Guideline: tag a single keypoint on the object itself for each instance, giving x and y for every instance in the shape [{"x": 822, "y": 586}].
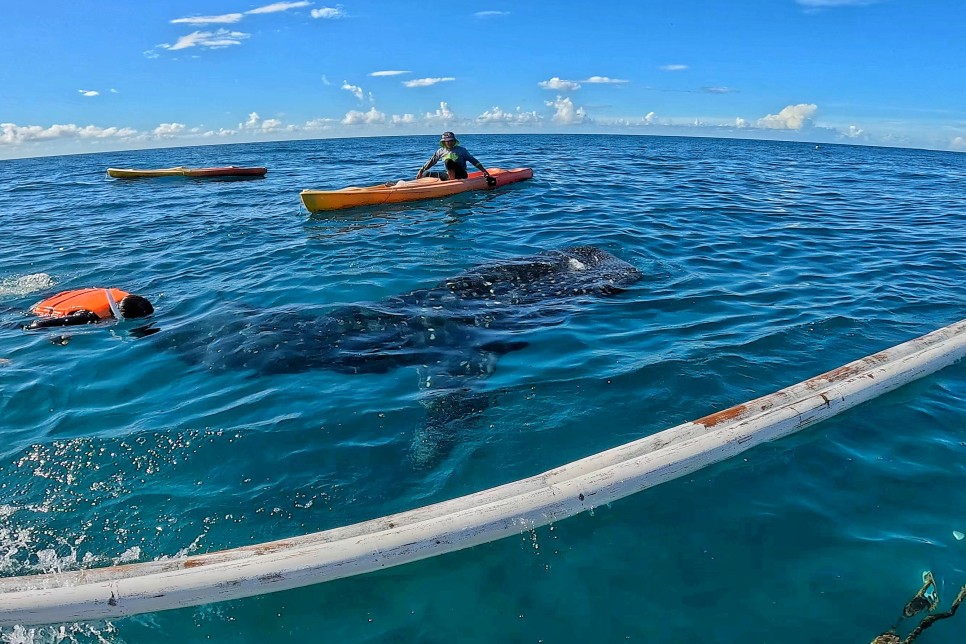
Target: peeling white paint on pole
[{"x": 509, "y": 509}]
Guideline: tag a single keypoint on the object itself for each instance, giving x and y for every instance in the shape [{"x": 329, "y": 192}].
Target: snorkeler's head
[{"x": 135, "y": 306}]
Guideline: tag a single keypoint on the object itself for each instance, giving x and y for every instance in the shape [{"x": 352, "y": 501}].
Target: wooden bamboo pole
[{"x": 118, "y": 591}]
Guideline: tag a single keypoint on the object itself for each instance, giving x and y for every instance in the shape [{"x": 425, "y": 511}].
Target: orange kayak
[
  {"x": 180, "y": 171},
  {"x": 398, "y": 191}
]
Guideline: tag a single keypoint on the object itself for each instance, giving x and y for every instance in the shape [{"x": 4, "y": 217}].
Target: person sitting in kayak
[
  {"x": 86, "y": 306},
  {"x": 455, "y": 157}
]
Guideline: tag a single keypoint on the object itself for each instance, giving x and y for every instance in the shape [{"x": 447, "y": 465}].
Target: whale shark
[{"x": 454, "y": 332}]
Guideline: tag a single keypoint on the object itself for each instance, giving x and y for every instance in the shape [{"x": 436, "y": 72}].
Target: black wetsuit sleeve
[
  {"x": 75, "y": 318},
  {"x": 432, "y": 161}
]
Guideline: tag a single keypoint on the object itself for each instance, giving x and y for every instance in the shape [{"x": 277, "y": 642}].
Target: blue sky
[{"x": 116, "y": 74}]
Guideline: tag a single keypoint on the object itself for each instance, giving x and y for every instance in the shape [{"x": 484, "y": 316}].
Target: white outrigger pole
[{"x": 118, "y": 591}]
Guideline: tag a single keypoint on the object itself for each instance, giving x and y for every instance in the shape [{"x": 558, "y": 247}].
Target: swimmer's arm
[
  {"x": 74, "y": 319},
  {"x": 433, "y": 160}
]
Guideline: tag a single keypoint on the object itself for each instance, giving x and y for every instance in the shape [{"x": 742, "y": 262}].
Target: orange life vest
[{"x": 94, "y": 300}]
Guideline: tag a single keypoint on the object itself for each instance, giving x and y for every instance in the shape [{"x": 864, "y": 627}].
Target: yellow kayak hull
[{"x": 400, "y": 191}]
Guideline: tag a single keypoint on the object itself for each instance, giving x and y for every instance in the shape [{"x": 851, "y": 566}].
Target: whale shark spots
[{"x": 454, "y": 333}]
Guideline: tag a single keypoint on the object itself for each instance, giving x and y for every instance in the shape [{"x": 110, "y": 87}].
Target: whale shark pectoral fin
[
  {"x": 447, "y": 414},
  {"x": 501, "y": 347},
  {"x": 144, "y": 331},
  {"x": 459, "y": 369},
  {"x": 455, "y": 405}
]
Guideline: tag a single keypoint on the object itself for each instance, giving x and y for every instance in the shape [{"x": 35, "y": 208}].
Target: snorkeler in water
[{"x": 87, "y": 306}]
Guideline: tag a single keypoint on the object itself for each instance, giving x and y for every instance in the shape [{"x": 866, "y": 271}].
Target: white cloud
[
  {"x": 793, "y": 117},
  {"x": 491, "y": 14},
  {"x": 277, "y": 7},
  {"x": 673, "y": 68},
  {"x": 405, "y": 119},
  {"x": 853, "y": 132},
  {"x": 559, "y": 84},
  {"x": 114, "y": 91},
  {"x": 321, "y": 124},
  {"x": 270, "y": 125},
  {"x": 959, "y": 143},
  {"x": 211, "y": 40},
  {"x": 225, "y": 19},
  {"x": 223, "y": 37},
  {"x": 13, "y": 134},
  {"x": 605, "y": 80},
  {"x": 355, "y": 90},
  {"x": 232, "y": 18},
  {"x": 222, "y": 132},
  {"x": 325, "y": 81},
  {"x": 329, "y": 12},
  {"x": 94, "y": 132},
  {"x": 426, "y": 82},
  {"x": 442, "y": 115},
  {"x": 252, "y": 123},
  {"x": 390, "y": 72},
  {"x": 517, "y": 117},
  {"x": 648, "y": 119},
  {"x": 88, "y": 92},
  {"x": 255, "y": 123},
  {"x": 566, "y": 113},
  {"x": 741, "y": 123},
  {"x": 168, "y": 130},
  {"x": 353, "y": 117},
  {"x": 717, "y": 90}
]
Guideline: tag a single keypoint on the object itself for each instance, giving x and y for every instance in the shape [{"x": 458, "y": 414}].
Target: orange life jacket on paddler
[{"x": 95, "y": 300}]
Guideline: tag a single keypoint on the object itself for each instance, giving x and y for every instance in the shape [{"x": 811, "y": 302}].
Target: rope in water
[
  {"x": 926, "y": 599},
  {"x": 106, "y": 593}
]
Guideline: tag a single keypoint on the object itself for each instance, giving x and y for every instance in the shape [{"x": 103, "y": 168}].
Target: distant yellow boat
[
  {"x": 399, "y": 191},
  {"x": 181, "y": 171}
]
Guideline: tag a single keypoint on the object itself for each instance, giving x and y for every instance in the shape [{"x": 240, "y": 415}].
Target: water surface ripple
[{"x": 764, "y": 263}]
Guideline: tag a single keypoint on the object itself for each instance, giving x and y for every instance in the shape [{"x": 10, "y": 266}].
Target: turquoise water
[{"x": 764, "y": 263}]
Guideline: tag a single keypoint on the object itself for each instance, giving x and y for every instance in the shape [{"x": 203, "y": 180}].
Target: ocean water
[{"x": 764, "y": 263}]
